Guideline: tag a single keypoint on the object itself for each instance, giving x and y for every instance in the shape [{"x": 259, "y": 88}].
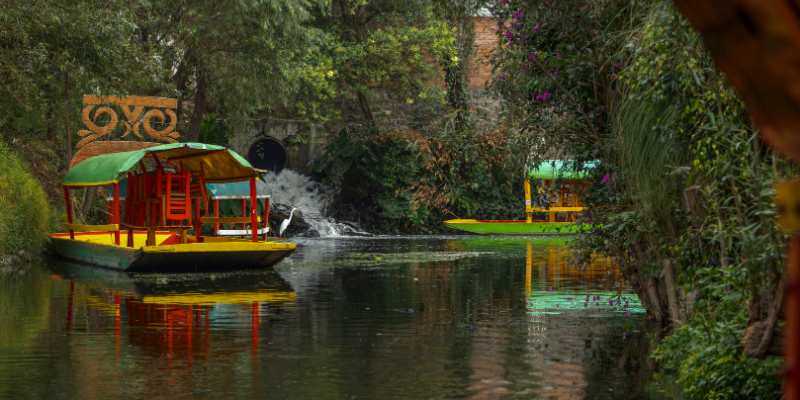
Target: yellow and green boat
[
  {"x": 561, "y": 204},
  {"x": 165, "y": 186}
]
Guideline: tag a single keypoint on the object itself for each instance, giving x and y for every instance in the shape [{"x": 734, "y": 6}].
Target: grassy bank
[{"x": 25, "y": 214}]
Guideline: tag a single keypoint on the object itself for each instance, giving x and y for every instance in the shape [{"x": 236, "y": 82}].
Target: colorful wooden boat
[
  {"x": 162, "y": 204},
  {"x": 560, "y": 203}
]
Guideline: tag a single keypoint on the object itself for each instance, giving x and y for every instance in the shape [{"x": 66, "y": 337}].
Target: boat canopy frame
[
  {"x": 221, "y": 164},
  {"x": 217, "y": 164}
]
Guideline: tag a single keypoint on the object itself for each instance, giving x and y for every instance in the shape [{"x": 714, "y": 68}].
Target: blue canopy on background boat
[{"x": 236, "y": 189}]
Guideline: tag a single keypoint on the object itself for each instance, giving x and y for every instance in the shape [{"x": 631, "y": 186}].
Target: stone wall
[{"x": 391, "y": 113}]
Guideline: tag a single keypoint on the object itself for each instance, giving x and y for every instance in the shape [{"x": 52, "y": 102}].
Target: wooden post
[
  {"x": 266, "y": 219},
  {"x": 198, "y": 226},
  {"x": 244, "y": 214},
  {"x": 528, "y": 207},
  {"x": 788, "y": 201},
  {"x": 69, "y": 212},
  {"x": 216, "y": 215},
  {"x": 116, "y": 213},
  {"x": 791, "y": 380},
  {"x": 129, "y": 189},
  {"x": 551, "y": 215},
  {"x": 253, "y": 210}
]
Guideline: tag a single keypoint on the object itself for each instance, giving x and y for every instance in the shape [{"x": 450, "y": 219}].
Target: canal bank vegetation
[
  {"x": 25, "y": 215},
  {"x": 683, "y": 198}
]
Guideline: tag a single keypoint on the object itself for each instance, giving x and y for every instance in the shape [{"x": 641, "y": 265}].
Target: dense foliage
[
  {"x": 402, "y": 181},
  {"x": 24, "y": 212},
  {"x": 708, "y": 361},
  {"x": 684, "y": 179}
]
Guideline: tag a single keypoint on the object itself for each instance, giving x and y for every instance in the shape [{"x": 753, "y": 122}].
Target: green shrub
[
  {"x": 709, "y": 362},
  {"x": 24, "y": 211}
]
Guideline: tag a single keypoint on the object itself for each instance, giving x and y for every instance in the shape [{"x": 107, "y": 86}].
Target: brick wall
[{"x": 480, "y": 69}]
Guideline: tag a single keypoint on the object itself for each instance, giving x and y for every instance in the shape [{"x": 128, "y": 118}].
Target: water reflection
[{"x": 403, "y": 317}]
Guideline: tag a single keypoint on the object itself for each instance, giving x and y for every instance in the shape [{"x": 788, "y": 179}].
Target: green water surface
[{"x": 413, "y": 317}]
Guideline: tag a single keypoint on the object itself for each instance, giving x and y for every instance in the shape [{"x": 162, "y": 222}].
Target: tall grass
[
  {"x": 24, "y": 211},
  {"x": 647, "y": 153}
]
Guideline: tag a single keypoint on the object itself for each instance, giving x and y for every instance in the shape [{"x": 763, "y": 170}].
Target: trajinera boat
[
  {"x": 162, "y": 203},
  {"x": 557, "y": 202}
]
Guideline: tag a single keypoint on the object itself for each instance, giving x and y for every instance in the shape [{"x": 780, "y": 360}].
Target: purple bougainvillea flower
[
  {"x": 551, "y": 288},
  {"x": 559, "y": 56},
  {"x": 536, "y": 27},
  {"x": 624, "y": 334},
  {"x": 611, "y": 302},
  {"x": 500, "y": 102},
  {"x": 628, "y": 314},
  {"x": 649, "y": 316},
  {"x": 585, "y": 304},
  {"x": 517, "y": 15}
]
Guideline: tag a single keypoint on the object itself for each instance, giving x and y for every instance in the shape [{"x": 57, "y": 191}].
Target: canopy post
[
  {"x": 244, "y": 214},
  {"x": 253, "y": 210},
  {"x": 198, "y": 226},
  {"x": 69, "y": 212},
  {"x": 528, "y": 208},
  {"x": 216, "y": 215},
  {"x": 116, "y": 213},
  {"x": 551, "y": 215},
  {"x": 266, "y": 218}
]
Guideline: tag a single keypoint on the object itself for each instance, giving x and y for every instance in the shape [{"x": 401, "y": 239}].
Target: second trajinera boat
[{"x": 561, "y": 204}]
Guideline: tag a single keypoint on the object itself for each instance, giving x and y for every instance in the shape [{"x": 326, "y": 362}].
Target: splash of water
[{"x": 291, "y": 189}]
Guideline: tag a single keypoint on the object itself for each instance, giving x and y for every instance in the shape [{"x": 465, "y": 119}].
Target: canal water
[{"x": 384, "y": 317}]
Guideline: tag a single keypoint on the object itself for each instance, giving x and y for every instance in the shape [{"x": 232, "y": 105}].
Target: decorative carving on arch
[{"x": 133, "y": 108}]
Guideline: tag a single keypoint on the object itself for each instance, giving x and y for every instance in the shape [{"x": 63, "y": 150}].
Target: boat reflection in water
[
  {"x": 175, "y": 318},
  {"x": 564, "y": 302}
]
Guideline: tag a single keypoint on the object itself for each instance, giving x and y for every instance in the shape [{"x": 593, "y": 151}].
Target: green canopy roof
[
  {"x": 220, "y": 164},
  {"x": 559, "y": 169}
]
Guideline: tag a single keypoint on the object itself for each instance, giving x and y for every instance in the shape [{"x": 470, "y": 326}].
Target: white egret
[{"x": 285, "y": 223}]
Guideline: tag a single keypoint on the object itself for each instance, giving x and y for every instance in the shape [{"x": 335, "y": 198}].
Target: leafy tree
[
  {"x": 238, "y": 54},
  {"x": 386, "y": 44}
]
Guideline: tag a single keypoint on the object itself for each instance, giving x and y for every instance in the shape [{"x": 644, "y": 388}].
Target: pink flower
[
  {"x": 585, "y": 304},
  {"x": 517, "y": 15},
  {"x": 628, "y": 314},
  {"x": 624, "y": 334},
  {"x": 551, "y": 288},
  {"x": 611, "y": 302},
  {"x": 559, "y": 56}
]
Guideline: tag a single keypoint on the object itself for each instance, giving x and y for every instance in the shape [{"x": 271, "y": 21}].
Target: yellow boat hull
[{"x": 99, "y": 249}]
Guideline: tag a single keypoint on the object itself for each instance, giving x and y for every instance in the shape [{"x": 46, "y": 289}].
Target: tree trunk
[
  {"x": 51, "y": 102},
  {"x": 457, "y": 93},
  {"x": 199, "y": 112},
  {"x": 754, "y": 335},
  {"x": 67, "y": 128},
  {"x": 88, "y": 195},
  {"x": 366, "y": 110}
]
